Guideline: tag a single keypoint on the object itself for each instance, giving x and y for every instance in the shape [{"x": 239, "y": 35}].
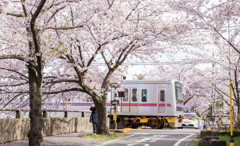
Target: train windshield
[
  {"x": 178, "y": 91},
  {"x": 191, "y": 116}
]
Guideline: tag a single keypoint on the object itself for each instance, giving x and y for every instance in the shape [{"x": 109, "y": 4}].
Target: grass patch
[
  {"x": 227, "y": 129},
  {"x": 194, "y": 142},
  {"x": 225, "y": 138},
  {"x": 114, "y": 134},
  {"x": 102, "y": 136}
]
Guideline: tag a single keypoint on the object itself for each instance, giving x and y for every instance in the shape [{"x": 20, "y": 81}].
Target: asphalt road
[
  {"x": 155, "y": 137},
  {"x": 143, "y": 137}
]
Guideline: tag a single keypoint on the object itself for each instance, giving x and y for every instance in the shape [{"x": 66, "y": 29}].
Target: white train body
[
  {"x": 148, "y": 100},
  {"x": 151, "y": 98}
]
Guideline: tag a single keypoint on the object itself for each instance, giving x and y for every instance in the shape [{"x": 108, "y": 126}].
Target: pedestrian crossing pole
[
  {"x": 115, "y": 111},
  {"x": 230, "y": 86},
  {"x": 231, "y": 116}
]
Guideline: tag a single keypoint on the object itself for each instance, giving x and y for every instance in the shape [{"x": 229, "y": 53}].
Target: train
[
  {"x": 150, "y": 103},
  {"x": 153, "y": 103}
]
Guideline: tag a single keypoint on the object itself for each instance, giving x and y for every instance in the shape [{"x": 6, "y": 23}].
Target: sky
[{"x": 144, "y": 68}]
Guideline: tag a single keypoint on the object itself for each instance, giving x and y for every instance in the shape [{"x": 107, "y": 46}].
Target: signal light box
[{"x": 120, "y": 93}]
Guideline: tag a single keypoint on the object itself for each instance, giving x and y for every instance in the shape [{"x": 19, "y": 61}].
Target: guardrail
[{"x": 45, "y": 115}]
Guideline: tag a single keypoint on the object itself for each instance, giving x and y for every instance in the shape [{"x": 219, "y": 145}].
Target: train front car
[
  {"x": 177, "y": 105},
  {"x": 152, "y": 103}
]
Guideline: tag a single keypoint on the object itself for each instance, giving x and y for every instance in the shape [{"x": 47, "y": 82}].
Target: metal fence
[{"x": 45, "y": 112}]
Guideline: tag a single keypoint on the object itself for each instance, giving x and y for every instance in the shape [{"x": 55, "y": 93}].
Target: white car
[{"x": 191, "y": 120}]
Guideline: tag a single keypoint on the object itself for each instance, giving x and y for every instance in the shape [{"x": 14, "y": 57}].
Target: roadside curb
[
  {"x": 144, "y": 128},
  {"x": 124, "y": 130}
]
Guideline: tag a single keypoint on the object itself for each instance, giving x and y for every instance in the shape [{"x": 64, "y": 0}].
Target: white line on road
[
  {"x": 110, "y": 141},
  {"x": 178, "y": 142},
  {"x": 157, "y": 137},
  {"x": 143, "y": 140},
  {"x": 138, "y": 144},
  {"x": 177, "y": 133},
  {"x": 141, "y": 133}
]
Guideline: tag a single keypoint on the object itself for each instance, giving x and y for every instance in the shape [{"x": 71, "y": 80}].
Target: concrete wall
[{"x": 17, "y": 129}]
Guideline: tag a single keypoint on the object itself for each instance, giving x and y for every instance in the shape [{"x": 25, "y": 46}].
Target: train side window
[
  {"x": 89, "y": 99},
  {"x": 125, "y": 98},
  {"x": 162, "y": 95},
  {"x": 144, "y": 95},
  {"x": 134, "y": 95}
]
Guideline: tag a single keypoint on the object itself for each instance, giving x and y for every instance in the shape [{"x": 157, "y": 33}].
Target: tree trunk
[
  {"x": 35, "y": 88},
  {"x": 102, "y": 117}
]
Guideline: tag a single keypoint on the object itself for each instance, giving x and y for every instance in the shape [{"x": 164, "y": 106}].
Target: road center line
[{"x": 178, "y": 142}]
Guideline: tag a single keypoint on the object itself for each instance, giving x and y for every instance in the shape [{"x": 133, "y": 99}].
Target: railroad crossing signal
[
  {"x": 120, "y": 93},
  {"x": 115, "y": 102}
]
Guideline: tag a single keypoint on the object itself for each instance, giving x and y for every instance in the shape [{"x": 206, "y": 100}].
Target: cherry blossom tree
[
  {"x": 212, "y": 35},
  {"x": 76, "y": 35},
  {"x": 71, "y": 38},
  {"x": 111, "y": 33},
  {"x": 218, "y": 19},
  {"x": 25, "y": 51}
]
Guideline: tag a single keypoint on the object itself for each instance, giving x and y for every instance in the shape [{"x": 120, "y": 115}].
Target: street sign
[{"x": 115, "y": 102}]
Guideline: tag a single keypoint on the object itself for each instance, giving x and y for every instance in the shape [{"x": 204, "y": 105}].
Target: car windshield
[{"x": 190, "y": 115}]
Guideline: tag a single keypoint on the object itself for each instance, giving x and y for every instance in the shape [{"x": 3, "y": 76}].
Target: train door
[
  {"x": 125, "y": 106},
  {"x": 133, "y": 100},
  {"x": 162, "y": 100}
]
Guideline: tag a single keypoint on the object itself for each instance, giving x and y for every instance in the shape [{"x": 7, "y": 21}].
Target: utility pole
[
  {"x": 115, "y": 111},
  {"x": 231, "y": 116},
  {"x": 230, "y": 86},
  {"x": 213, "y": 97}
]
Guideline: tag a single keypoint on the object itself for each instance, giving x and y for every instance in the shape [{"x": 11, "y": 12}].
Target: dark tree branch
[
  {"x": 12, "y": 99},
  {"x": 81, "y": 56},
  {"x": 186, "y": 101},
  {"x": 105, "y": 60},
  {"x": 93, "y": 56},
  {"x": 52, "y": 16},
  {"x": 110, "y": 3},
  {"x": 81, "y": 83},
  {"x": 15, "y": 15},
  {"x": 66, "y": 90},
  {"x": 21, "y": 58},
  {"x": 15, "y": 71},
  {"x": 63, "y": 27},
  {"x": 215, "y": 29},
  {"x": 36, "y": 40},
  {"x": 91, "y": 33},
  {"x": 118, "y": 63},
  {"x": 125, "y": 52},
  {"x": 72, "y": 16},
  {"x": 62, "y": 81},
  {"x": 132, "y": 11},
  {"x": 11, "y": 92},
  {"x": 14, "y": 85}
]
